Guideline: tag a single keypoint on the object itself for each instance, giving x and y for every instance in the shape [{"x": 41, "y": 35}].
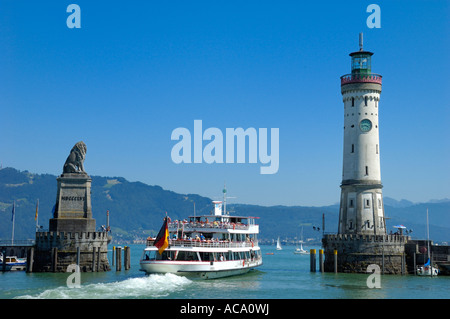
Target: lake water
[{"x": 283, "y": 275}]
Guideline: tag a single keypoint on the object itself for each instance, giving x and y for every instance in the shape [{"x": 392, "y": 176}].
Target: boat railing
[
  {"x": 207, "y": 243},
  {"x": 217, "y": 225}
]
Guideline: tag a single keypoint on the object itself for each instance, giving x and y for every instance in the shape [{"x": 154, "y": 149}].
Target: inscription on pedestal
[{"x": 73, "y": 200}]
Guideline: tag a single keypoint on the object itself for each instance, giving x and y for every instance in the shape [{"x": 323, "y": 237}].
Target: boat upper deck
[{"x": 216, "y": 224}]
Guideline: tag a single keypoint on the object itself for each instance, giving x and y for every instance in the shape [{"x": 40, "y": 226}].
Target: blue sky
[{"x": 137, "y": 70}]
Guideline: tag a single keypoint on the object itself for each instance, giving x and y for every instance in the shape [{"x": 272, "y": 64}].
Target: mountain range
[{"x": 137, "y": 210}]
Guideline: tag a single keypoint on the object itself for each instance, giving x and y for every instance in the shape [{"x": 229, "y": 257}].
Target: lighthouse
[
  {"x": 362, "y": 240},
  {"x": 361, "y": 203}
]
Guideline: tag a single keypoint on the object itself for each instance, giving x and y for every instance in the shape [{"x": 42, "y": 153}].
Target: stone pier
[
  {"x": 55, "y": 251},
  {"x": 356, "y": 252}
]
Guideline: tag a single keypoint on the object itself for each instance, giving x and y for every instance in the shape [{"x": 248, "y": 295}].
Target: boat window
[
  {"x": 206, "y": 256},
  {"x": 166, "y": 255},
  {"x": 149, "y": 255},
  {"x": 187, "y": 256},
  {"x": 230, "y": 255}
]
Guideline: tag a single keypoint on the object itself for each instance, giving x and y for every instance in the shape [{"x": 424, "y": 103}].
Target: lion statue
[{"x": 74, "y": 162}]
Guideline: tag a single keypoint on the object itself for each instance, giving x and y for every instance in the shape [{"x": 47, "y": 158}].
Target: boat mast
[
  {"x": 428, "y": 246},
  {"x": 224, "y": 199},
  {"x": 428, "y": 237}
]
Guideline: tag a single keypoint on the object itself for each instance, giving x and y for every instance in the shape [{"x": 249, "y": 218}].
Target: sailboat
[
  {"x": 300, "y": 251},
  {"x": 279, "y": 244},
  {"x": 427, "y": 269}
]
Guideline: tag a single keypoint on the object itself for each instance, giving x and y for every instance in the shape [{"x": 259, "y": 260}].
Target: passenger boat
[
  {"x": 13, "y": 263},
  {"x": 206, "y": 246}
]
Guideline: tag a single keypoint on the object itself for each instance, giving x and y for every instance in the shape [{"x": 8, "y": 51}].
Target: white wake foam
[{"x": 152, "y": 286}]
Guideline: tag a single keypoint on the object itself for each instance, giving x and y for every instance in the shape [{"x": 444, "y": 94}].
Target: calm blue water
[{"x": 283, "y": 275}]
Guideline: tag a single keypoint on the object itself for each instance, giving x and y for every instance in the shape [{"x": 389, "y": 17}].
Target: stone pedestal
[
  {"x": 73, "y": 210},
  {"x": 72, "y": 238}
]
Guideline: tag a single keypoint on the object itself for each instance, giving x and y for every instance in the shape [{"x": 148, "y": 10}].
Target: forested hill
[{"x": 137, "y": 209}]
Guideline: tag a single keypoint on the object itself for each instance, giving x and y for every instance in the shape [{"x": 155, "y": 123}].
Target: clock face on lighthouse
[{"x": 365, "y": 125}]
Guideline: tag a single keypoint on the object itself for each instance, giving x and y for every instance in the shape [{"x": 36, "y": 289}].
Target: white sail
[{"x": 279, "y": 244}]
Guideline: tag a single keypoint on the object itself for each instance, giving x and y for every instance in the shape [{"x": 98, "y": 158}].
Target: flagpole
[
  {"x": 37, "y": 214},
  {"x": 13, "y": 219}
]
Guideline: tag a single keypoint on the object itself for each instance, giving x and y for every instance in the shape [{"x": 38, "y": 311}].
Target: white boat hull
[
  {"x": 426, "y": 271},
  {"x": 198, "y": 269},
  {"x": 13, "y": 263}
]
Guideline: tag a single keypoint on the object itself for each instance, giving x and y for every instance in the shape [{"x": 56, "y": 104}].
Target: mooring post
[
  {"x": 312, "y": 255},
  {"x": 93, "y": 259},
  {"x": 98, "y": 259},
  {"x": 54, "y": 259},
  {"x": 119, "y": 259},
  {"x": 321, "y": 260},
  {"x": 126, "y": 255},
  {"x": 113, "y": 251},
  {"x": 403, "y": 263},
  {"x": 78, "y": 256},
  {"x": 30, "y": 258},
  {"x": 125, "y": 248},
  {"x": 335, "y": 261}
]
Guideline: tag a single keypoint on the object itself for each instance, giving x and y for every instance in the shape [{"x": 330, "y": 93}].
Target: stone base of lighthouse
[
  {"x": 361, "y": 209},
  {"x": 354, "y": 253}
]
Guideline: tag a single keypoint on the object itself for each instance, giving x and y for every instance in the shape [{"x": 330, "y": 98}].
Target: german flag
[
  {"x": 37, "y": 210},
  {"x": 162, "y": 240}
]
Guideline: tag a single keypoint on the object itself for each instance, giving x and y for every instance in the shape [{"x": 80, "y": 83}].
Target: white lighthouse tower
[{"x": 361, "y": 204}]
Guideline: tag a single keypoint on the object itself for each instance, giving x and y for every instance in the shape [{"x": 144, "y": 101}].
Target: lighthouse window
[
  {"x": 353, "y": 101},
  {"x": 365, "y": 101},
  {"x": 353, "y": 148},
  {"x": 367, "y": 170},
  {"x": 377, "y": 148}
]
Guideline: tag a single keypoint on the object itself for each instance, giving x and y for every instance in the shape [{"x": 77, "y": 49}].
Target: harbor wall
[
  {"x": 356, "y": 252},
  {"x": 55, "y": 251}
]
